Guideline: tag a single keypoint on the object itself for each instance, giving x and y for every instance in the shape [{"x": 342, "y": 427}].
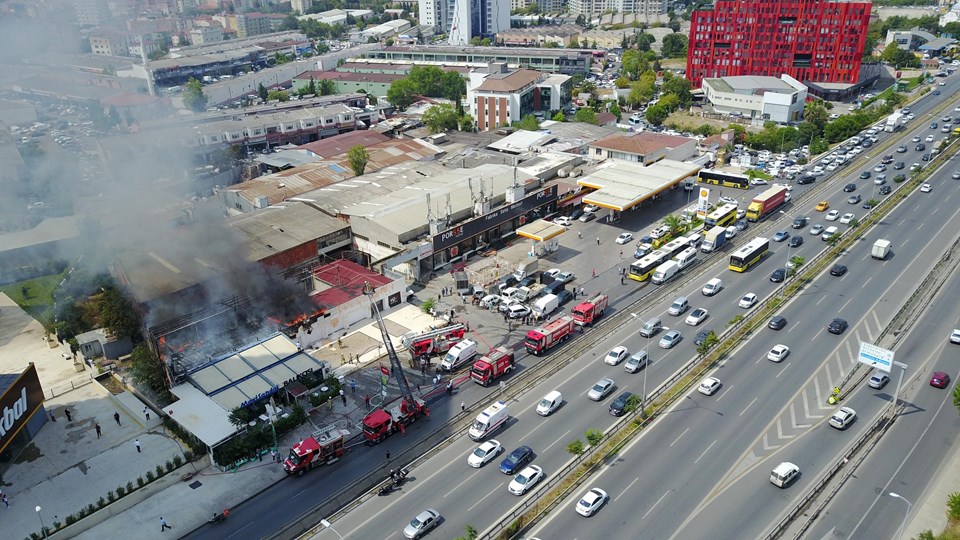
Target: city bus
[
  {"x": 730, "y": 180},
  {"x": 721, "y": 217},
  {"x": 643, "y": 269},
  {"x": 674, "y": 246},
  {"x": 749, "y": 255}
]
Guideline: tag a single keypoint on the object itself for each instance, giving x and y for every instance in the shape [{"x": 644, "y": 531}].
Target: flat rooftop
[
  {"x": 750, "y": 84},
  {"x": 621, "y": 185},
  {"x": 284, "y": 226}
]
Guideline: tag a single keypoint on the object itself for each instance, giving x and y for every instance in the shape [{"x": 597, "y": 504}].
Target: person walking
[
  {"x": 163, "y": 524},
  {"x": 463, "y": 406},
  {"x": 136, "y": 443},
  {"x": 388, "y": 455},
  {"x": 598, "y": 240},
  {"x": 366, "y": 401},
  {"x": 96, "y": 426},
  {"x": 579, "y": 234},
  {"x": 343, "y": 397},
  {"x": 621, "y": 254},
  {"x": 353, "y": 386},
  {"x": 6, "y": 502},
  {"x": 66, "y": 412},
  {"x": 116, "y": 416},
  {"x": 146, "y": 412}
]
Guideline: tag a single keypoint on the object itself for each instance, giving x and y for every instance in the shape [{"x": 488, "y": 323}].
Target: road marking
[
  {"x": 849, "y": 348},
  {"x": 817, "y": 335},
  {"x": 875, "y": 318},
  {"x": 748, "y": 406},
  {"x": 626, "y": 488},
  {"x": 678, "y": 438},
  {"x": 816, "y": 386},
  {"x": 465, "y": 480},
  {"x": 705, "y": 452},
  {"x": 726, "y": 390},
  {"x": 767, "y": 446},
  {"x": 647, "y": 513},
  {"x": 497, "y": 489},
  {"x": 868, "y": 279},
  {"x": 556, "y": 441},
  {"x": 822, "y": 298},
  {"x": 847, "y": 303},
  {"x": 780, "y": 431},
  {"x": 826, "y": 370},
  {"x": 793, "y": 419},
  {"x": 806, "y": 408},
  {"x": 785, "y": 366}
]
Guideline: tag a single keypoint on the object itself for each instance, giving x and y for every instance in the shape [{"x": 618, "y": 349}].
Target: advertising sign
[
  {"x": 497, "y": 217},
  {"x": 18, "y": 404},
  {"x": 703, "y": 203},
  {"x": 875, "y": 357}
]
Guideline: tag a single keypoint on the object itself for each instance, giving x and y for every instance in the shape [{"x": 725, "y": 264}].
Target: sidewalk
[{"x": 930, "y": 510}]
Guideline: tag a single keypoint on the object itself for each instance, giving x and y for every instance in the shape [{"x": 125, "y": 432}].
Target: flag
[{"x": 384, "y": 378}]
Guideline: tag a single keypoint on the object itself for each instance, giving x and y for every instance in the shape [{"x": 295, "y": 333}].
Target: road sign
[{"x": 875, "y": 357}]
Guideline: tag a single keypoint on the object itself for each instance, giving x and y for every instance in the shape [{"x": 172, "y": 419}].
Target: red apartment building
[{"x": 810, "y": 40}]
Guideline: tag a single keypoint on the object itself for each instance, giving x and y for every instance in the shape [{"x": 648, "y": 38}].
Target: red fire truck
[
  {"x": 492, "y": 366},
  {"x": 323, "y": 448},
  {"x": 540, "y": 340},
  {"x": 435, "y": 342},
  {"x": 381, "y": 423},
  {"x": 588, "y": 312}
]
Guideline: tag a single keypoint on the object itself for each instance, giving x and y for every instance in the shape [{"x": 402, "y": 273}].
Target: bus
[
  {"x": 721, "y": 217},
  {"x": 643, "y": 269},
  {"x": 674, "y": 246},
  {"x": 749, "y": 255},
  {"x": 730, "y": 180}
]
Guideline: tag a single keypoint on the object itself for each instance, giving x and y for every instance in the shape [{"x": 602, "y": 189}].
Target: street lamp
[
  {"x": 909, "y": 506},
  {"x": 646, "y": 365},
  {"x": 43, "y": 527},
  {"x": 786, "y": 266},
  {"x": 326, "y": 524}
]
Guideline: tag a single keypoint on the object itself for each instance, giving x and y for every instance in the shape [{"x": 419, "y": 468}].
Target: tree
[
  {"x": 586, "y": 115},
  {"x": 471, "y": 532},
  {"x": 116, "y": 314},
  {"x": 401, "y": 93},
  {"x": 466, "y": 123},
  {"x": 575, "y": 447},
  {"x": 193, "y": 96},
  {"x": 452, "y": 86},
  {"x": 795, "y": 263},
  {"x": 841, "y": 128},
  {"x": 674, "y": 25},
  {"x": 593, "y": 436},
  {"x": 615, "y": 110},
  {"x": 358, "y": 158},
  {"x": 427, "y": 80},
  {"x": 656, "y": 114},
  {"x": 147, "y": 370},
  {"x": 622, "y": 82},
  {"x": 816, "y": 113},
  {"x": 279, "y": 95},
  {"x": 440, "y": 118},
  {"x": 674, "y": 46},
  {"x": 528, "y": 122},
  {"x": 674, "y": 223},
  {"x": 680, "y": 87},
  {"x": 630, "y": 63},
  {"x": 262, "y": 91},
  {"x": 327, "y": 88},
  {"x": 559, "y": 117}
]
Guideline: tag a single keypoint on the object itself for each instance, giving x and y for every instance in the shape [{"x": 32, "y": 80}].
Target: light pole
[
  {"x": 326, "y": 524},
  {"x": 786, "y": 266},
  {"x": 646, "y": 364},
  {"x": 909, "y": 506},
  {"x": 43, "y": 527}
]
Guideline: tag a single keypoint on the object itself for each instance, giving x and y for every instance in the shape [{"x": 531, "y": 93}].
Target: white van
[
  {"x": 679, "y": 306},
  {"x": 686, "y": 257},
  {"x": 665, "y": 272},
  {"x": 651, "y": 327},
  {"x": 510, "y": 292},
  {"x": 460, "y": 354},
  {"x": 549, "y": 403},
  {"x": 489, "y": 421},
  {"x": 546, "y": 305},
  {"x": 783, "y": 474}
]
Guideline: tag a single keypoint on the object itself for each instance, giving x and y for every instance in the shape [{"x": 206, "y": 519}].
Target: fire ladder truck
[{"x": 436, "y": 341}]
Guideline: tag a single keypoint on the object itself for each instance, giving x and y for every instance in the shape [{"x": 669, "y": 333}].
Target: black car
[
  {"x": 510, "y": 281},
  {"x": 807, "y": 179},
  {"x": 576, "y": 214},
  {"x": 864, "y": 175},
  {"x": 527, "y": 281},
  {"x": 837, "y": 326},
  {"x": 777, "y": 323},
  {"x": 887, "y": 159},
  {"x": 554, "y": 288},
  {"x": 587, "y": 216},
  {"x": 563, "y": 297},
  {"x": 619, "y": 405},
  {"x": 778, "y": 275},
  {"x": 516, "y": 460},
  {"x": 838, "y": 270},
  {"x": 795, "y": 241},
  {"x": 899, "y": 165},
  {"x": 885, "y": 190},
  {"x": 866, "y": 143},
  {"x": 850, "y": 187},
  {"x": 868, "y": 205},
  {"x": 901, "y": 149},
  {"x": 936, "y": 92},
  {"x": 920, "y": 147},
  {"x": 799, "y": 222},
  {"x": 701, "y": 337},
  {"x": 925, "y": 157}
]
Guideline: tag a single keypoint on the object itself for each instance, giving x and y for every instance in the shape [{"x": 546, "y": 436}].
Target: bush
[
  {"x": 103, "y": 502},
  {"x": 177, "y": 461},
  {"x": 575, "y": 447},
  {"x": 140, "y": 481},
  {"x": 953, "y": 506},
  {"x": 71, "y": 519},
  {"x": 160, "y": 472},
  {"x": 150, "y": 476},
  {"x": 129, "y": 488},
  {"x": 90, "y": 509},
  {"x": 170, "y": 466},
  {"x": 120, "y": 491},
  {"x": 111, "y": 496},
  {"x": 593, "y": 436}
]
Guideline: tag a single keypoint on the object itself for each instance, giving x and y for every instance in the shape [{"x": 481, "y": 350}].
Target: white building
[
  {"x": 206, "y": 34},
  {"x": 498, "y": 97},
  {"x": 593, "y": 8},
  {"x": 763, "y": 98},
  {"x": 301, "y": 6},
  {"x": 462, "y": 20}
]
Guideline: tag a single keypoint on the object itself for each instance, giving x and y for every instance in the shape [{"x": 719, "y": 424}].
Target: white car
[
  {"x": 843, "y": 418},
  {"x": 955, "y": 336},
  {"x": 601, "y": 389},
  {"x": 847, "y": 218},
  {"x": 731, "y": 232},
  {"x": 419, "y": 525},
  {"x": 778, "y": 353},
  {"x": 591, "y": 208},
  {"x": 712, "y": 287},
  {"x": 697, "y": 316},
  {"x": 563, "y": 220},
  {"x": 490, "y": 301},
  {"x": 930, "y": 138},
  {"x": 728, "y": 200},
  {"x": 748, "y": 301},
  {"x": 925, "y": 188},
  {"x": 832, "y": 215},
  {"x": 525, "y": 480},
  {"x": 616, "y": 355},
  {"x": 833, "y": 166},
  {"x": 484, "y": 453},
  {"x": 709, "y": 386},
  {"x": 759, "y": 182},
  {"x": 552, "y": 273},
  {"x": 624, "y": 238},
  {"x": 591, "y": 502}
]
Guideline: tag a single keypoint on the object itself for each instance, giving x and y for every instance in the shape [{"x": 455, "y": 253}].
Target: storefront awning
[{"x": 541, "y": 230}]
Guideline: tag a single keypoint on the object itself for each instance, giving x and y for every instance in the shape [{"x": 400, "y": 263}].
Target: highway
[{"x": 674, "y": 483}]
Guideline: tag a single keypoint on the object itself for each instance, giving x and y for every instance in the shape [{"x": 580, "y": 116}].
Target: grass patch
[{"x": 38, "y": 300}]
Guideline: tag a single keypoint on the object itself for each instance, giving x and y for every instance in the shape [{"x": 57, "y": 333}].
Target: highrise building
[
  {"x": 462, "y": 20},
  {"x": 809, "y": 40}
]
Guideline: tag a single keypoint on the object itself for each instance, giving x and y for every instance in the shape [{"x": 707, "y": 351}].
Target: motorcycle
[{"x": 220, "y": 516}]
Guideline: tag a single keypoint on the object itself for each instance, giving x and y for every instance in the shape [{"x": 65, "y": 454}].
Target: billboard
[
  {"x": 18, "y": 403},
  {"x": 703, "y": 203},
  {"x": 875, "y": 357},
  {"x": 475, "y": 226}
]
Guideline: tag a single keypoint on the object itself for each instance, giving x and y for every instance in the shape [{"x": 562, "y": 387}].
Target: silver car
[
  {"x": 422, "y": 524},
  {"x": 670, "y": 339},
  {"x": 602, "y": 389}
]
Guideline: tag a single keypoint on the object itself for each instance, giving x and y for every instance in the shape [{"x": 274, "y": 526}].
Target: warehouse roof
[{"x": 283, "y": 226}]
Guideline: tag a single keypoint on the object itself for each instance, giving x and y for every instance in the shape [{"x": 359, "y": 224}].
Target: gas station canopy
[
  {"x": 541, "y": 230},
  {"x": 621, "y": 185}
]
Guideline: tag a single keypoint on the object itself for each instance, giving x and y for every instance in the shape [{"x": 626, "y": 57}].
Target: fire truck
[
  {"x": 324, "y": 447},
  {"x": 588, "y": 312},
  {"x": 381, "y": 422},
  {"x": 492, "y": 366},
  {"x": 434, "y": 342},
  {"x": 540, "y": 340}
]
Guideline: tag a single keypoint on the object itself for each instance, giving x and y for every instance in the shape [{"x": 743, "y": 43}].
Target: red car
[{"x": 940, "y": 379}]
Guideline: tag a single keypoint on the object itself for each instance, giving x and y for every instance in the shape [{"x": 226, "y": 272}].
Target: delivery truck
[
  {"x": 541, "y": 340},
  {"x": 766, "y": 203},
  {"x": 489, "y": 421},
  {"x": 714, "y": 239},
  {"x": 881, "y": 248},
  {"x": 491, "y": 367}
]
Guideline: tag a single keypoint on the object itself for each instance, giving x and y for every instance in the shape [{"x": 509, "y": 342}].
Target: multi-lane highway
[{"x": 707, "y": 448}]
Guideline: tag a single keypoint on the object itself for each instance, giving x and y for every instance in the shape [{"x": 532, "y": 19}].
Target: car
[
  {"x": 955, "y": 175},
  {"x": 901, "y": 149},
  {"x": 930, "y": 138},
  {"x": 601, "y": 389},
  {"x": 517, "y": 311},
  {"x": 727, "y": 200},
  {"x": 937, "y": 92},
  {"x": 868, "y": 205},
  {"x": 878, "y": 380},
  {"x": 709, "y": 386},
  {"x": 490, "y": 301},
  {"x": 783, "y": 474},
  {"x": 916, "y": 138},
  {"x": 795, "y": 241},
  {"x": 591, "y": 208},
  {"x": 800, "y": 222},
  {"x": 925, "y": 188},
  {"x": 780, "y": 236},
  {"x": 591, "y": 502},
  {"x": 880, "y": 168},
  {"x": 587, "y": 216},
  {"x": 616, "y": 355},
  {"x": 732, "y": 231},
  {"x": 864, "y": 175},
  {"x": 899, "y": 165},
  {"x": 507, "y": 303},
  {"x": 516, "y": 459},
  {"x": 563, "y": 297},
  {"x": 484, "y": 453},
  {"x": 945, "y": 129},
  {"x": 832, "y": 215},
  {"x": 853, "y": 199},
  {"x": 620, "y": 405},
  {"x": 701, "y": 336},
  {"x": 526, "y": 479},
  {"x": 849, "y": 187},
  {"x": 624, "y": 238},
  {"x": 550, "y": 403},
  {"x": 422, "y": 524},
  {"x": 741, "y": 224},
  {"x": 670, "y": 339},
  {"x": 712, "y": 287},
  {"x": 885, "y": 190},
  {"x": 759, "y": 182},
  {"x": 916, "y": 167},
  {"x": 843, "y": 418},
  {"x": 822, "y": 206},
  {"x": 777, "y": 323},
  {"x": 847, "y": 218},
  {"x": 837, "y": 326},
  {"x": 806, "y": 179},
  {"x": 955, "y": 336},
  {"x": 887, "y": 159},
  {"x": 940, "y": 379},
  {"x": 778, "y": 353},
  {"x": 679, "y": 305},
  {"x": 816, "y": 229},
  {"x": 697, "y": 316},
  {"x": 778, "y": 275},
  {"x": 564, "y": 221},
  {"x": 920, "y": 147},
  {"x": 748, "y": 301},
  {"x": 636, "y": 362},
  {"x": 565, "y": 277}
]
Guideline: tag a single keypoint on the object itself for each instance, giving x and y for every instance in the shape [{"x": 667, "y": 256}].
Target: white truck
[
  {"x": 546, "y": 305},
  {"x": 880, "y": 249},
  {"x": 460, "y": 354},
  {"x": 526, "y": 268},
  {"x": 893, "y": 122},
  {"x": 665, "y": 272},
  {"x": 489, "y": 421}
]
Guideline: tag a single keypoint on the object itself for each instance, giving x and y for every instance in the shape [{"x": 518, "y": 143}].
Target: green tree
[
  {"x": 327, "y": 87},
  {"x": 622, "y": 82},
  {"x": 816, "y": 113},
  {"x": 401, "y": 93},
  {"x": 795, "y": 263},
  {"x": 115, "y": 313},
  {"x": 279, "y": 95},
  {"x": 440, "y": 118},
  {"x": 674, "y": 46},
  {"x": 674, "y": 223},
  {"x": 470, "y": 532},
  {"x": 656, "y": 114},
  {"x": 262, "y": 91},
  {"x": 586, "y": 115},
  {"x": 674, "y": 25},
  {"x": 630, "y": 63},
  {"x": 593, "y": 436},
  {"x": 452, "y": 86},
  {"x": 147, "y": 370},
  {"x": 428, "y": 80},
  {"x": 680, "y": 87},
  {"x": 559, "y": 117},
  {"x": 615, "y": 110},
  {"x": 575, "y": 447},
  {"x": 193, "y": 96},
  {"x": 528, "y": 122},
  {"x": 466, "y": 123},
  {"x": 358, "y": 158},
  {"x": 842, "y": 128}
]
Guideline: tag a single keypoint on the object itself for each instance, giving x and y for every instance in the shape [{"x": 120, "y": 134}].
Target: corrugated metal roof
[{"x": 200, "y": 415}]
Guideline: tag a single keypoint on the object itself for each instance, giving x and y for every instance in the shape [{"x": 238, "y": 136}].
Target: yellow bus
[
  {"x": 749, "y": 255},
  {"x": 643, "y": 269},
  {"x": 721, "y": 217}
]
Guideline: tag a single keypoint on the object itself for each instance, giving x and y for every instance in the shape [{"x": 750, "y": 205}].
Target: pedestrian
[
  {"x": 163, "y": 524},
  {"x": 136, "y": 442},
  {"x": 273, "y": 455},
  {"x": 53, "y": 418},
  {"x": 260, "y": 453},
  {"x": 621, "y": 254},
  {"x": 403, "y": 430},
  {"x": 66, "y": 412},
  {"x": 6, "y": 502},
  {"x": 279, "y": 457},
  {"x": 579, "y": 234},
  {"x": 594, "y": 272},
  {"x": 96, "y": 426},
  {"x": 450, "y": 387},
  {"x": 463, "y": 406},
  {"x": 504, "y": 316},
  {"x": 366, "y": 400},
  {"x": 330, "y": 403},
  {"x": 146, "y": 412},
  {"x": 464, "y": 298},
  {"x": 418, "y": 388},
  {"x": 299, "y": 348},
  {"x": 116, "y": 416},
  {"x": 621, "y": 279},
  {"x": 343, "y": 397},
  {"x": 388, "y": 455},
  {"x": 598, "y": 240},
  {"x": 353, "y": 386}
]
